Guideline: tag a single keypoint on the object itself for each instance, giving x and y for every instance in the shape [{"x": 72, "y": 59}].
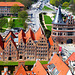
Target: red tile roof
[
  {"x": 38, "y": 69},
  {"x": 21, "y": 35},
  {"x": 11, "y": 4},
  {"x": 20, "y": 71},
  {"x": 60, "y": 65},
  {"x": 71, "y": 58},
  {"x": 30, "y": 34},
  {"x": 10, "y": 39},
  {"x": 50, "y": 41},
  {"x": 1, "y": 49},
  {"x": 10, "y": 34},
  {"x": 38, "y": 34},
  {"x": 45, "y": 66}
]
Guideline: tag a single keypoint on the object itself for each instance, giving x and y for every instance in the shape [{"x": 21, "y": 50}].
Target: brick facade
[
  {"x": 63, "y": 31},
  {"x": 26, "y": 48}
]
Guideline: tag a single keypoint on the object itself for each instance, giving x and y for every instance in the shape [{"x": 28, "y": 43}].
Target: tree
[
  {"x": 65, "y": 1},
  {"x": 15, "y": 9},
  {"x": 23, "y": 14},
  {"x": 72, "y": 8},
  {"x": 11, "y": 23},
  {"x": 3, "y": 21},
  {"x": 72, "y": 1},
  {"x": 27, "y": 3},
  {"x": 55, "y": 2},
  {"x": 25, "y": 25},
  {"x": 65, "y": 4}
]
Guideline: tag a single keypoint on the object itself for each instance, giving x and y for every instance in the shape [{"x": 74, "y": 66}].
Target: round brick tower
[{"x": 63, "y": 31}]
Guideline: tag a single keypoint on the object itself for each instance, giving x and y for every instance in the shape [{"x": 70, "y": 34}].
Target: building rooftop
[
  {"x": 71, "y": 58},
  {"x": 59, "y": 65},
  {"x": 11, "y": 4},
  {"x": 39, "y": 69}
]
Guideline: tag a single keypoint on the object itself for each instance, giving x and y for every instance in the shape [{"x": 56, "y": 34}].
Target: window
[
  {"x": 61, "y": 42},
  {"x": 30, "y": 41},
  {"x": 9, "y": 53},
  {"x": 51, "y": 54},
  {"x": 27, "y": 57},
  {"x": 5, "y": 57},
  {"x": 10, "y": 45}
]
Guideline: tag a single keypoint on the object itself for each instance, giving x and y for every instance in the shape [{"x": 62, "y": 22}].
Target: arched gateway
[{"x": 69, "y": 41}]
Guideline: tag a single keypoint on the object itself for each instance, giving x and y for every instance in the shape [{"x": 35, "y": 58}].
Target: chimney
[
  {"x": 26, "y": 67},
  {"x": 9, "y": 72},
  {"x": 21, "y": 63},
  {"x": 2, "y": 72},
  {"x": 28, "y": 73},
  {"x": 16, "y": 68},
  {"x": 5, "y": 69}
]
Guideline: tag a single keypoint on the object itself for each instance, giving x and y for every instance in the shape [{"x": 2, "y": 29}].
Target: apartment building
[{"x": 6, "y": 6}]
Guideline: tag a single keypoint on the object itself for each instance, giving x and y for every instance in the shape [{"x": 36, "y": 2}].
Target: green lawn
[
  {"x": 26, "y": 63},
  {"x": 54, "y": 16},
  {"x": 9, "y": 17},
  {"x": 47, "y": 19},
  {"x": 66, "y": 8},
  {"x": 18, "y": 23},
  {"x": 3, "y": 30},
  {"x": 49, "y": 28},
  {"x": 47, "y": 8}
]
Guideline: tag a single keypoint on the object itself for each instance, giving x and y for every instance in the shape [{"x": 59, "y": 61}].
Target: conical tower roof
[{"x": 58, "y": 18}]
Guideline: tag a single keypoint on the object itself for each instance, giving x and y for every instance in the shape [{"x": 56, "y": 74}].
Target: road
[
  {"x": 34, "y": 15},
  {"x": 36, "y": 9}
]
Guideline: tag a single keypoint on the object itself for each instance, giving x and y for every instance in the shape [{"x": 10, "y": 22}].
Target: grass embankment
[
  {"x": 9, "y": 17},
  {"x": 16, "y": 63},
  {"x": 49, "y": 28},
  {"x": 47, "y": 8},
  {"x": 47, "y": 32},
  {"x": 67, "y": 8},
  {"x": 17, "y": 23},
  {"x": 47, "y": 19}
]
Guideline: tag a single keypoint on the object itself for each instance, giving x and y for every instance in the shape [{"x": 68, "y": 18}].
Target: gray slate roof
[{"x": 58, "y": 18}]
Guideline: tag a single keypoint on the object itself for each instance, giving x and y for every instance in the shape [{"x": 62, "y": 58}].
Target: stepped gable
[
  {"x": 11, "y": 4},
  {"x": 38, "y": 69},
  {"x": 59, "y": 65},
  {"x": 50, "y": 41},
  {"x": 38, "y": 34},
  {"x": 10, "y": 39},
  {"x": 71, "y": 58},
  {"x": 10, "y": 34},
  {"x": 21, "y": 35},
  {"x": 58, "y": 18},
  {"x": 30, "y": 34},
  {"x": 1, "y": 41}
]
